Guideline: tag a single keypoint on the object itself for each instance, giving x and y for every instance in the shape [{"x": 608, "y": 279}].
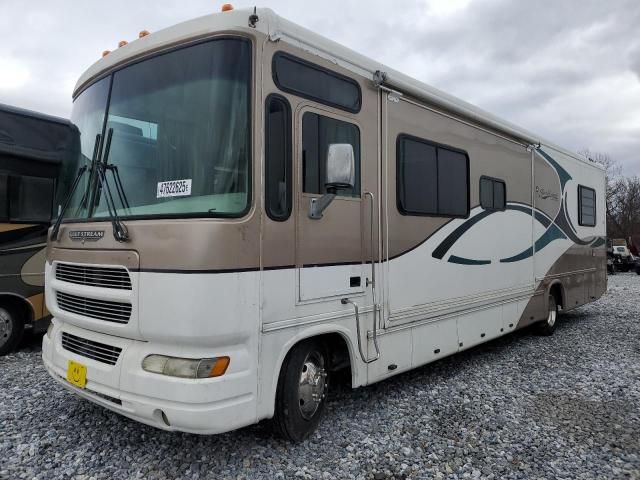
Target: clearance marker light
[
  {"x": 143, "y": 33},
  {"x": 106, "y": 52},
  {"x": 227, "y": 7},
  {"x": 122, "y": 43}
]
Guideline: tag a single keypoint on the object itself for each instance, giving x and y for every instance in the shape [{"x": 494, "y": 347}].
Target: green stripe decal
[{"x": 467, "y": 261}]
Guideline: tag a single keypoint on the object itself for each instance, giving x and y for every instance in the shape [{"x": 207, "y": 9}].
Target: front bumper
[{"x": 203, "y": 406}]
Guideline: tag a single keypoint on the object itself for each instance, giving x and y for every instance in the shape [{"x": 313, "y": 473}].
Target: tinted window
[
  {"x": 493, "y": 194},
  {"x": 30, "y": 199},
  {"x": 318, "y": 133},
  {"x": 4, "y": 197},
  {"x": 431, "y": 179},
  {"x": 586, "y": 206},
  {"x": 418, "y": 181},
  {"x": 452, "y": 183},
  {"x": 311, "y": 81},
  {"x": 278, "y": 158}
]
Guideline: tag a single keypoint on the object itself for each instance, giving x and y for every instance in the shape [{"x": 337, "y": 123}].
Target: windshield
[
  {"x": 179, "y": 125},
  {"x": 88, "y": 115}
]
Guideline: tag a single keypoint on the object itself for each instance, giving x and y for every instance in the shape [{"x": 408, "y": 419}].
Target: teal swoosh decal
[
  {"x": 562, "y": 173},
  {"x": 467, "y": 261},
  {"x": 521, "y": 256},
  {"x": 553, "y": 233},
  {"x": 598, "y": 242}
]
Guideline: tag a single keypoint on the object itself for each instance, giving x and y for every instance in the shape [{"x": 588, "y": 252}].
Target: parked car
[{"x": 622, "y": 258}]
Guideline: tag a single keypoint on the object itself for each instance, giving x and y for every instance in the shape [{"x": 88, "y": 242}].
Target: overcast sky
[{"x": 566, "y": 69}]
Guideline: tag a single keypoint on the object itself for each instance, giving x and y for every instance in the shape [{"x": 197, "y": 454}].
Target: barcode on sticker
[{"x": 174, "y": 188}]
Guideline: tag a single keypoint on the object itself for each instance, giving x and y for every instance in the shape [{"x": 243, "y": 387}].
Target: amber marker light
[
  {"x": 106, "y": 52},
  {"x": 227, "y": 7},
  {"x": 143, "y": 34},
  {"x": 219, "y": 367},
  {"x": 122, "y": 43}
]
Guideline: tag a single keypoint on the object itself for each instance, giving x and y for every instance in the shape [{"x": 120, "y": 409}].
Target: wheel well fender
[
  {"x": 556, "y": 288},
  {"x": 18, "y": 305},
  {"x": 317, "y": 331}
]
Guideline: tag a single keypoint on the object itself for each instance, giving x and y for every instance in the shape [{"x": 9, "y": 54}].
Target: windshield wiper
[
  {"x": 118, "y": 182},
  {"x": 76, "y": 182},
  {"x": 120, "y": 232}
]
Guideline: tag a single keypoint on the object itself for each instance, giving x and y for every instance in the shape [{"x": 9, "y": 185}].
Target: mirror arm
[{"x": 319, "y": 205}]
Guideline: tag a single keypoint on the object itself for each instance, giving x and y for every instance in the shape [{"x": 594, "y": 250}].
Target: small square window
[
  {"x": 493, "y": 193},
  {"x": 586, "y": 206}
]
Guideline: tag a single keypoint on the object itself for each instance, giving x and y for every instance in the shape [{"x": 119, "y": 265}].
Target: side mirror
[
  {"x": 341, "y": 167},
  {"x": 341, "y": 174}
]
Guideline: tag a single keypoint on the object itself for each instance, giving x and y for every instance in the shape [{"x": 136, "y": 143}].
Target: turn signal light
[
  {"x": 143, "y": 33},
  {"x": 227, "y": 7},
  {"x": 122, "y": 43}
]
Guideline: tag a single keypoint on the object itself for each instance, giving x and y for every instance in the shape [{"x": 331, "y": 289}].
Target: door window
[{"x": 318, "y": 132}]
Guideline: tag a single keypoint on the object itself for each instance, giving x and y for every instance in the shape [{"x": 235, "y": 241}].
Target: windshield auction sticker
[{"x": 174, "y": 188}]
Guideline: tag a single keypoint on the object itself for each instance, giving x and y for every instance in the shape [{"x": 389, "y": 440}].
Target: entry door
[{"x": 332, "y": 253}]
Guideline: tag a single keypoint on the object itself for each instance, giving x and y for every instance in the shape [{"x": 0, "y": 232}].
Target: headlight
[{"x": 186, "y": 367}]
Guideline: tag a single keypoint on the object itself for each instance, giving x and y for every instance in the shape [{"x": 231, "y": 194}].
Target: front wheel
[
  {"x": 548, "y": 326},
  {"x": 302, "y": 390},
  {"x": 11, "y": 329}
]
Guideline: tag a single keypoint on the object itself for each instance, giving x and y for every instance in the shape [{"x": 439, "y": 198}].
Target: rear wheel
[
  {"x": 302, "y": 390},
  {"x": 548, "y": 326},
  {"x": 11, "y": 330}
]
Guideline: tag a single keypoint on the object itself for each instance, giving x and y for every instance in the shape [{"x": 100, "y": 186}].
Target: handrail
[{"x": 346, "y": 301}]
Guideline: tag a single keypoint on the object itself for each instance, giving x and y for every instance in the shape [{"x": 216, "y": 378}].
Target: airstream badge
[{"x": 86, "y": 235}]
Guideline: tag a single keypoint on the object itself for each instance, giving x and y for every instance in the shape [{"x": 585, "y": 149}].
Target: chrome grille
[
  {"x": 99, "y": 352},
  {"x": 106, "y": 277},
  {"x": 99, "y": 309}
]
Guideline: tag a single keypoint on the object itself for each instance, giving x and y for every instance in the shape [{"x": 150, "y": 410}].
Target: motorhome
[
  {"x": 256, "y": 206},
  {"x": 33, "y": 146}
]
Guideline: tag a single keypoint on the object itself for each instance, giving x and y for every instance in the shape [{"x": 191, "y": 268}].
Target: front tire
[
  {"x": 302, "y": 390},
  {"x": 11, "y": 330},
  {"x": 548, "y": 326}
]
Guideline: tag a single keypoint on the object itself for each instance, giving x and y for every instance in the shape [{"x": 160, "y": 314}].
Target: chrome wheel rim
[
  {"x": 6, "y": 327},
  {"x": 553, "y": 312},
  {"x": 312, "y": 388}
]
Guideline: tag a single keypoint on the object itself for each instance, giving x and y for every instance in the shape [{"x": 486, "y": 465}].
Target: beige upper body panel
[{"x": 489, "y": 155}]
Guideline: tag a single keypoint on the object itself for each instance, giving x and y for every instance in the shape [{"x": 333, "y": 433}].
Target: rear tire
[
  {"x": 11, "y": 330},
  {"x": 302, "y": 390},
  {"x": 548, "y": 326}
]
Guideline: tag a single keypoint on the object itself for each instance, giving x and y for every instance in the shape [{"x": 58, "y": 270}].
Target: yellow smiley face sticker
[{"x": 76, "y": 374}]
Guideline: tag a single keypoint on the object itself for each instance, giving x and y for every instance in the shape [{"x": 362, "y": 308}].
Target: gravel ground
[{"x": 566, "y": 406}]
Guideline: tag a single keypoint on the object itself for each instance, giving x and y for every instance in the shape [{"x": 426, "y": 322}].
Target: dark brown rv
[{"x": 32, "y": 148}]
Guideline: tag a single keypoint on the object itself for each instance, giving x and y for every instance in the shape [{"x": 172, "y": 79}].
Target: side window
[
  {"x": 4, "y": 198},
  {"x": 278, "y": 158},
  {"x": 493, "y": 194},
  {"x": 318, "y": 132},
  {"x": 30, "y": 199},
  {"x": 586, "y": 206},
  {"x": 305, "y": 79},
  {"x": 432, "y": 180}
]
